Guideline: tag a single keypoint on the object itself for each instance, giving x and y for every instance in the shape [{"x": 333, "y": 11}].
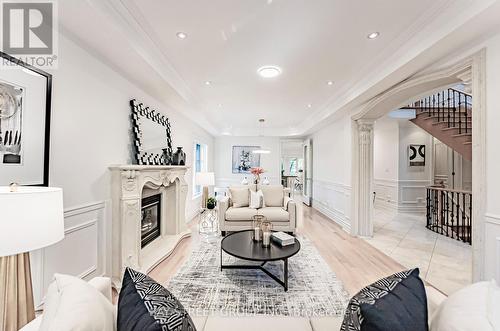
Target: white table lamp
[
  {"x": 204, "y": 179},
  {"x": 30, "y": 218}
]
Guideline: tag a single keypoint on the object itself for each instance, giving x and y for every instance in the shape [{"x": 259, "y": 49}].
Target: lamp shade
[
  {"x": 205, "y": 178},
  {"x": 30, "y": 218}
]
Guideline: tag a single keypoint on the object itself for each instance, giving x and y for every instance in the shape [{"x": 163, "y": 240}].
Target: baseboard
[{"x": 335, "y": 215}]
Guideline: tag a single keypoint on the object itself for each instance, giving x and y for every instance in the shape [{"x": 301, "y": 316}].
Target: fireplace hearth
[{"x": 150, "y": 219}]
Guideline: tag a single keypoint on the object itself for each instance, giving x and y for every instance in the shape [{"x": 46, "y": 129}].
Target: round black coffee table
[{"x": 240, "y": 245}]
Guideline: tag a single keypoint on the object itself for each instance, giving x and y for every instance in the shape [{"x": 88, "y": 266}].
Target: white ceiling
[{"x": 313, "y": 41}]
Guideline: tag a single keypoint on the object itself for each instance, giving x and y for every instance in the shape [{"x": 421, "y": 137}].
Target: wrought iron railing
[
  {"x": 450, "y": 106},
  {"x": 449, "y": 213}
]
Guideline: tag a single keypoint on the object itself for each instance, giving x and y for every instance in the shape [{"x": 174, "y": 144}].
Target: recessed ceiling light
[
  {"x": 219, "y": 105},
  {"x": 373, "y": 35},
  {"x": 208, "y": 82},
  {"x": 269, "y": 71},
  {"x": 329, "y": 83},
  {"x": 181, "y": 35},
  {"x": 309, "y": 105}
]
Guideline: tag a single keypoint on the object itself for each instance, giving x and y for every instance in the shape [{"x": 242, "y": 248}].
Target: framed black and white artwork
[
  {"x": 25, "y": 103},
  {"x": 416, "y": 155},
  {"x": 244, "y": 159}
]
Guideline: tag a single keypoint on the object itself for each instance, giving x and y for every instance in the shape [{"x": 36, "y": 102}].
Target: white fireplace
[{"x": 130, "y": 184}]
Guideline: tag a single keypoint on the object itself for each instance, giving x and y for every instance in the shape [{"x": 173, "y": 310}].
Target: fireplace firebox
[{"x": 150, "y": 219}]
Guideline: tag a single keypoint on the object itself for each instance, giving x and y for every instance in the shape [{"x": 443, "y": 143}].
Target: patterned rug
[{"x": 203, "y": 289}]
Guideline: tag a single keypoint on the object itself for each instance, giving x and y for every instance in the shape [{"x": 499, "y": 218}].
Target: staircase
[{"x": 447, "y": 116}]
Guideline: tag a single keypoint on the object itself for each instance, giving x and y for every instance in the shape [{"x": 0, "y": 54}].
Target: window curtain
[{"x": 16, "y": 293}]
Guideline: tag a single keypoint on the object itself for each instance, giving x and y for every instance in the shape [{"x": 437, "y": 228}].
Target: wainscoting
[
  {"x": 82, "y": 252},
  {"x": 492, "y": 248},
  {"x": 404, "y": 196},
  {"x": 333, "y": 200}
]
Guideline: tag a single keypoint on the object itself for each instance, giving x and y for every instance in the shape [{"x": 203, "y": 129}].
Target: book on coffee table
[{"x": 283, "y": 238}]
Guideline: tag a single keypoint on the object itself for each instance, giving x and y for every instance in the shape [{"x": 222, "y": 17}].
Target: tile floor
[{"x": 444, "y": 262}]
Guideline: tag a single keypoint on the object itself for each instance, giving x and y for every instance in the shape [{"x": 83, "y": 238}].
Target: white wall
[
  {"x": 90, "y": 131},
  {"x": 223, "y": 154},
  {"x": 492, "y": 227},
  {"x": 397, "y": 185},
  {"x": 386, "y": 162},
  {"x": 332, "y": 171}
]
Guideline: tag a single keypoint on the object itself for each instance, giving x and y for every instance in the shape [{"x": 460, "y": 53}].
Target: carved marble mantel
[{"x": 129, "y": 184}]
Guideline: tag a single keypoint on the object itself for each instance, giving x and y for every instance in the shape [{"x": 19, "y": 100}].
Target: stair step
[
  {"x": 469, "y": 129},
  {"x": 462, "y": 134}
]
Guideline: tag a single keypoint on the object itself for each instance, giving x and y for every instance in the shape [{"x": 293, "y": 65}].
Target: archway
[{"x": 469, "y": 71}]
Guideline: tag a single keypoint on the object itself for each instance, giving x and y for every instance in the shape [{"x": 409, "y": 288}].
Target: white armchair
[{"x": 279, "y": 208}]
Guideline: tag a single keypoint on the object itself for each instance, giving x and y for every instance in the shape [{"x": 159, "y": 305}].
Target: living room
[{"x": 223, "y": 156}]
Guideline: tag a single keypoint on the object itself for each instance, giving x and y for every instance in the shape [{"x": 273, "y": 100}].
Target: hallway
[{"x": 444, "y": 262}]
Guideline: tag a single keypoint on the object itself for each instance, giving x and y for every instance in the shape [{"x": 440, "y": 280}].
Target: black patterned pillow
[
  {"x": 394, "y": 303},
  {"x": 145, "y": 305}
]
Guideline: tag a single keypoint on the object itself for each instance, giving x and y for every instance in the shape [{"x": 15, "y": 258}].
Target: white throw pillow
[
  {"x": 256, "y": 200},
  {"x": 239, "y": 196},
  {"x": 472, "y": 308},
  {"x": 73, "y": 304}
]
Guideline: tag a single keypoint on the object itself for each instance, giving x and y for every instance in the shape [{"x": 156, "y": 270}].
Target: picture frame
[
  {"x": 25, "y": 117},
  {"x": 243, "y": 159},
  {"x": 416, "y": 155},
  {"x": 148, "y": 127}
]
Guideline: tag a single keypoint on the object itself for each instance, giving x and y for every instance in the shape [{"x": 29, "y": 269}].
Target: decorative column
[{"x": 364, "y": 211}]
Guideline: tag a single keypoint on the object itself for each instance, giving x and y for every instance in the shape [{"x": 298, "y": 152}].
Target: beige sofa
[
  {"x": 279, "y": 208},
  {"x": 261, "y": 323}
]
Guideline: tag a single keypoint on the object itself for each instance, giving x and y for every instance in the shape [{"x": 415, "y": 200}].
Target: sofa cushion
[
  {"x": 327, "y": 323},
  {"x": 261, "y": 323},
  {"x": 240, "y": 214},
  {"x": 69, "y": 303},
  {"x": 273, "y": 195},
  {"x": 274, "y": 214},
  {"x": 144, "y": 304},
  {"x": 240, "y": 196},
  {"x": 397, "y": 302},
  {"x": 475, "y": 307},
  {"x": 257, "y": 199}
]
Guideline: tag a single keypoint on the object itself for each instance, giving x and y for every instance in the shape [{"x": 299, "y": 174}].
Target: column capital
[
  {"x": 365, "y": 124},
  {"x": 466, "y": 78}
]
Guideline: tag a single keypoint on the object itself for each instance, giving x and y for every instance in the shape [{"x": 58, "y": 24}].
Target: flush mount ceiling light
[
  {"x": 269, "y": 71},
  {"x": 373, "y": 35},
  {"x": 181, "y": 35}
]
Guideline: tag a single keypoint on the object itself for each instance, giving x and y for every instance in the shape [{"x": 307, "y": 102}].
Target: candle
[
  {"x": 256, "y": 234},
  {"x": 266, "y": 239}
]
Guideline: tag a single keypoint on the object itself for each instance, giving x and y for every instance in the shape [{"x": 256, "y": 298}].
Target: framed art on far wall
[
  {"x": 25, "y": 103},
  {"x": 243, "y": 159},
  {"x": 416, "y": 155}
]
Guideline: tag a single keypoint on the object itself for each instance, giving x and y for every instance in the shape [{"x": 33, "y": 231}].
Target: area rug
[{"x": 203, "y": 289}]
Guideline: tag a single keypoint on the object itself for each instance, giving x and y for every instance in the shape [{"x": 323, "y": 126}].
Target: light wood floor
[{"x": 354, "y": 261}]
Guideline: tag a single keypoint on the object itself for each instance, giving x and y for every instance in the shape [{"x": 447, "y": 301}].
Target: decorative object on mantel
[
  {"x": 256, "y": 172},
  {"x": 244, "y": 181},
  {"x": 25, "y": 102},
  {"x": 25, "y": 230},
  {"x": 147, "y": 125},
  {"x": 243, "y": 159},
  {"x": 129, "y": 183},
  {"x": 179, "y": 157},
  {"x": 204, "y": 179}
]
